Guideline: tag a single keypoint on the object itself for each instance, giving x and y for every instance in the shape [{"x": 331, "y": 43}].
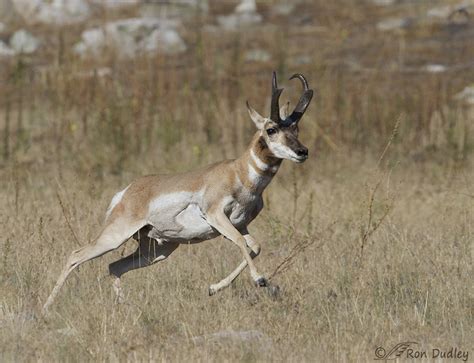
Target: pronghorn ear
[
  {"x": 285, "y": 111},
  {"x": 257, "y": 119}
]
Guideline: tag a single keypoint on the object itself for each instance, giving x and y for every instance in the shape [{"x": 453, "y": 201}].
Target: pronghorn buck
[{"x": 163, "y": 211}]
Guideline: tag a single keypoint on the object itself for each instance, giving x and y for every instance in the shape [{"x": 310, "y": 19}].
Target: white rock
[
  {"x": 5, "y": 50},
  {"x": 97, "y": 72},
  {"x": 257, "y": 55},
  {"x": 435, "y": 68},
  {"x": 443, "y": 12},
  {"x": 173, "y": 9},
  {"x": 236, "y": 21},
  {"x": 203, "y": 4},
  {"x": 131, "y": 36},
  {"x": 246, "y": 6},
  {"x": 24, "y": 42},
  {"x": 164, "y": 41},
  {"x": 440, "y": 12},
  {"x": 93, "y": 36},
  {"x": 393, "y": 24},
  {"x": 57, "y": 12},
  {"x": 141, "y": 27},
  {"x": 113, "y": 4},
  {"x": 466, "y": 96},
  {"x": 93, "y": 42},
  {"x": 383, "y": 2},
  {"x": 245, "y": 14}
]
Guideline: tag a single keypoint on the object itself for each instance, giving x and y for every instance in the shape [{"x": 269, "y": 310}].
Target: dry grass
[
  {"x": 415, "y": 282},
  {"x": 369, "y": 251}
]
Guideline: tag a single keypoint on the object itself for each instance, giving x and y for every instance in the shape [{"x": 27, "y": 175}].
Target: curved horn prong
[
  {"x": 303, "y": 103},
  {"x": 275, "y": 104},
  {"x": 302, "y": 79}
]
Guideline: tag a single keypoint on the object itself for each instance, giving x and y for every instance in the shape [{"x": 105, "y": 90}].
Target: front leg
[
  {"x": 219, "y": 221},
  {"x": 225, "y": 282}
]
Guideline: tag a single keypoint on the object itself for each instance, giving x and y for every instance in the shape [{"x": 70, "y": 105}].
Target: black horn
[
  {"x": 275, "y": 105},
  {"x": 303, "y": 103}
]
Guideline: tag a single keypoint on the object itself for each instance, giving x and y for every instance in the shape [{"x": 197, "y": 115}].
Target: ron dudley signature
[{"x": 411, "y": 350}]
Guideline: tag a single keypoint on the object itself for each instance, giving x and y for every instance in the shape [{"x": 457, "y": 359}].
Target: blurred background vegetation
[{"x": 372, "y": 64}]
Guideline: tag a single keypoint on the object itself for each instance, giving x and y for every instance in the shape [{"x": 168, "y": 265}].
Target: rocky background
[
  {"x": 370, "y": 240},
  {"x": 402, "y": 51}
]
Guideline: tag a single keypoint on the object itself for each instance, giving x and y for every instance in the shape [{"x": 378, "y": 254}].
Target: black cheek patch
[{"x": 262, "y": 145}]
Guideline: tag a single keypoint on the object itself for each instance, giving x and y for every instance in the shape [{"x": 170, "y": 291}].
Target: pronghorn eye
[{"x": 271, "y": 131}]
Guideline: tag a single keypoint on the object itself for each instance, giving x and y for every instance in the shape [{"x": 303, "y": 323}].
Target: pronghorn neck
[{"x": 258, "y": 165}]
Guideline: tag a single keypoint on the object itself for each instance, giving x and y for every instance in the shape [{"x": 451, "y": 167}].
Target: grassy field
[{"x": 370, "y": 240}]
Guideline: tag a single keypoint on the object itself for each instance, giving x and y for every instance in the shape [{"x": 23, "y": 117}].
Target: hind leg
[
  {"x": 112, "y": 237},
  {"x": 148, "y": 252}
]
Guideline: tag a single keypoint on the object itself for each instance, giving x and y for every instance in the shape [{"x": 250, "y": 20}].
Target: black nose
[{"x": 302, "y": 151}]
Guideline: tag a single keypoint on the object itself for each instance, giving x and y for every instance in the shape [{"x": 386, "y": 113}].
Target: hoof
[
  {"x": 212, "y": 291},
  {"x": 261, "y": 282}
]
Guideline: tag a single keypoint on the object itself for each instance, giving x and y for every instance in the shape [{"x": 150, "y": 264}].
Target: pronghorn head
[{"x": 280, "y": 131}]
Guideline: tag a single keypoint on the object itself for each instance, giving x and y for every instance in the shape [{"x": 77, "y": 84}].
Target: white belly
[
  {"x": 194, "y": 225},
  {"x": 178, "y": 217}
]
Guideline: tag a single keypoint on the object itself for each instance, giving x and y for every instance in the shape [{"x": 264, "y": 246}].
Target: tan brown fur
[
  {"x": 162, "y": 211},
  {"x": 219, "y": 177}
]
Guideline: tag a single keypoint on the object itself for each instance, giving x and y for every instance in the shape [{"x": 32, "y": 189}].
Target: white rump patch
[{"x": 115, "y": 200}]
